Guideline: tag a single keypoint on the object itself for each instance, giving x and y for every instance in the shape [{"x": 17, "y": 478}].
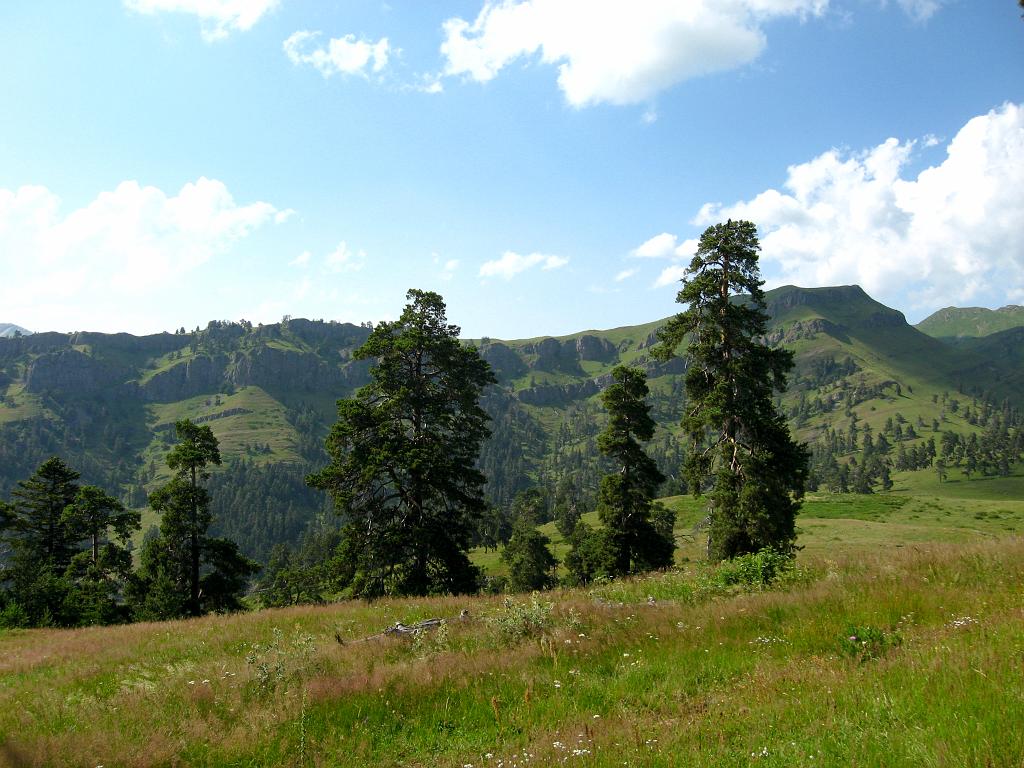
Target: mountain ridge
[{"x": 107, "y": 402}]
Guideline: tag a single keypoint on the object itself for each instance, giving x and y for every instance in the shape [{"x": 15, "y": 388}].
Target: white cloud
[
  {"x": 344, "y": 259},
  {"x": 448, "y": 270},
  {"x": 670, "y": 275},
  {"x": 615, "y": 51},
  {"x": 658, "y": 247},
  {"x": 217, "y": 18},
  {"x": 342, "y": 55},
  {"x": 953, "y": 234},
  {"x": 511, "y": 264},
  {"x": 920, "y": 10},
  {"x": 625, "y": 275},
  {"x": 302, "y": 260},
  {"x": 133, "y": 242}
]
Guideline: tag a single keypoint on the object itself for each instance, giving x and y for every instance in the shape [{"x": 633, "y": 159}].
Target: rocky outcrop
[
  {"x": 557, "y": 396},
  {"x": 72, "y": 372},
  {"x": 195, "y": 376},
  {"x": 552, "y": 355},
  {"x": 503, "y": 360},
  {"x": 655, "y": 368},
  {"x": 805, "y": 329},
  {"x": 650, "y": 341},
  {"x": 590, "y": 347},
  {"x": 154, "y": 345},
  {"x": 317, "y": 333},
  {"x": 36, "y": 344},
  {"x": 889, "y": 318},
  {"x": 271, "y": 368}
]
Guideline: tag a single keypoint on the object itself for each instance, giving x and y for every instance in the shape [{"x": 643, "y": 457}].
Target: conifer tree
[
  {"x": 737, "y": 436},
  {"x": 184, "y": 571},
  {"x": 403, "y": 456},
  {"x": 42, "y": 545},
  {"x": 625, "y": 497},
  {"x": 531, "y": 566},
  {"x": 99, "y": 572}
]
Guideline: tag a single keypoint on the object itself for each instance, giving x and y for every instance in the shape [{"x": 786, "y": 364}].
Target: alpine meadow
[{"x": 766, "y": 509}]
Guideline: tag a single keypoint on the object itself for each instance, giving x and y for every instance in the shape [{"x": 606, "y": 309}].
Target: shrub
[
  {"x": 13, "y": 616},
  {"x": 758, "y": 569},
  {"x": 866, "y": 643},
  {"x": 278, "y": 662},
  {"x": 516, "y": 621}
]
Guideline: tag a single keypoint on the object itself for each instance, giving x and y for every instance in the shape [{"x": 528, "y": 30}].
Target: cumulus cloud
[
  {"x": 670, "y": 275},
  {"x": 344, "y": 259},
  {"x": 130, "y": 242},
  {"x": 511, "y": 264},
  {"x": 302, "y": 260},
  {"x": 625, "y": 275},
  {"x": 951, "y": 234},
  {"x": 664, "y": 246},
  {"x": 615, "y": 51},
  {"x": 341, "y": 55},
  {"x": 217, "y": 18}
]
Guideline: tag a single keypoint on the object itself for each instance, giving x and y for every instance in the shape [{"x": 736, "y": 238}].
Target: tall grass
[{"x": 664, "y": 670}]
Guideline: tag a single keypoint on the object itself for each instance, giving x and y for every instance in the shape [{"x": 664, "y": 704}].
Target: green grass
[
  {"x": 266, "y": 424},
  {"x": 917, "y": 512},
  {"x": 696, "y": 676},
  {"x": 25, "y": 405}
]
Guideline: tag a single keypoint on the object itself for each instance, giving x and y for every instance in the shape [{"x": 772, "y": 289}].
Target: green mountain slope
[
  {"x": 957, "y": 323},
  {"x": 107, "y": 403}
]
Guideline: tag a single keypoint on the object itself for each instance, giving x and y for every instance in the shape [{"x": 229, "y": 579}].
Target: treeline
[
  {"x": 66, "y": 557},
  {"x": 858, "y": 459}
]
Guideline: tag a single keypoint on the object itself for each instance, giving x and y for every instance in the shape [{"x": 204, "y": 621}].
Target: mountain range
[{"x": 107, "y": 403}]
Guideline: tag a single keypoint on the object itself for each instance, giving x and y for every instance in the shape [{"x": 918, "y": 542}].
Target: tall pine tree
[
  {"x": 184, "y": 571},
  {"x": 99, "y": 572},
  {"x": 626, "y": 496},
  {"x": 737, "y": 436},
  {"x": 403, "y": 456},
  {"x": 43, "y": 543}
]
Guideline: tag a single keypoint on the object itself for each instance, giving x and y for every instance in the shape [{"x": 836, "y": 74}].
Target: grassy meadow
[{"x": 898, "y": 640}]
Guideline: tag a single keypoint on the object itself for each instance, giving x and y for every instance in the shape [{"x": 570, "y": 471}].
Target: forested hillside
[{"x": 871, "y": 395}]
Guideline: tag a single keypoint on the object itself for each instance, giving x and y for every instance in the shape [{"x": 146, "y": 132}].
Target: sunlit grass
[{"x": 653, "y": 671}]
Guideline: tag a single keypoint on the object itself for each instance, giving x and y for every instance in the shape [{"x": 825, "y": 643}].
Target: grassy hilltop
[{"x": 689, "y": 667}]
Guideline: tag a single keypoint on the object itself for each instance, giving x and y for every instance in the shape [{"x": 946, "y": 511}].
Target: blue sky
[{"x": 544, "y": 164}]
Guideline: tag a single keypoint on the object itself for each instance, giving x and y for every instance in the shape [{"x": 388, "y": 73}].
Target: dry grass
[{"x": 721, "y": 678}]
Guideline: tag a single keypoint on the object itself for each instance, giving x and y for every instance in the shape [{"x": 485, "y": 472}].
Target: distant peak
[{"x": 8, "y": 330}]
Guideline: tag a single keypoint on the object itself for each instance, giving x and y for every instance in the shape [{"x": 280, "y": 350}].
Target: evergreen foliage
[
  {"x": 403, "y": 456},
  {"x": 184, "y": 571},
  {"x": 626, "y": 496},
  {"x": 42, "y": 544},
  {"x": 738, "y": 437},
  {"x": 531, "y": 566},
  {"x": 594, "y": 555},
  {"x": 99, "y": 572},
  {"x": 64, "y": 550}
]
